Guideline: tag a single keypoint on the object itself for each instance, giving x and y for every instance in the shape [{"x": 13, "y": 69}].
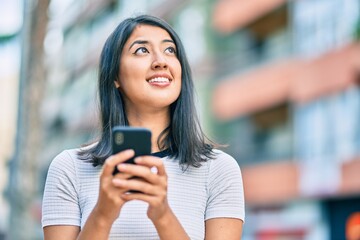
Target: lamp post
[{"x": 22, "y": 189}]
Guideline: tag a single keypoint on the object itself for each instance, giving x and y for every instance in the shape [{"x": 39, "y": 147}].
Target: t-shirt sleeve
[
  {"x": 60, "y": 204},
  {"x": 225, "y": 189}
]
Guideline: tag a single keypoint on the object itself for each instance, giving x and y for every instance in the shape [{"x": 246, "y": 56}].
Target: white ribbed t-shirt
[{"x": 211, "y": 191}]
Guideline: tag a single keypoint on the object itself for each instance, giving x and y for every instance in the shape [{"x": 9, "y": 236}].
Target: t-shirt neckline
[{"x": 161, "y": 154}]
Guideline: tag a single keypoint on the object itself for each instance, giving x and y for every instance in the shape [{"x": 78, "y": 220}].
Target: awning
[
  {"x": 298, "y": 80},
  {"x": 230, "y": 15}
]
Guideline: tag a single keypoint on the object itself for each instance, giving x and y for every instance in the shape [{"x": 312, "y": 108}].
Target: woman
[{"x": 196, "y": 192}]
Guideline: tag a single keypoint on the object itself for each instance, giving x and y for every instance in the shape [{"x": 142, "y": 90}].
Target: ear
[{"x": 117, "y": 84}]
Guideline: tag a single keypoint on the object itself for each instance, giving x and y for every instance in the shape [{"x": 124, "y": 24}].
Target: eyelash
[
  {"x": 172, "y": 50},
  {"x": 141, "y": 48}
]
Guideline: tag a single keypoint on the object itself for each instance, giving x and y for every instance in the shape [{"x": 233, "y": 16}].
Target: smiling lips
[{"x": 159, "y": 81}]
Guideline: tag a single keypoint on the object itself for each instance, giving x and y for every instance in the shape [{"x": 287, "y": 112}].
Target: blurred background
[{"x": 276, "y": 80}]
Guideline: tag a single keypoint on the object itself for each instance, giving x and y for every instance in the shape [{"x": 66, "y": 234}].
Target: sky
[
  {"x": 11, "y": 12},
  {"x": 11, "y": 16}
]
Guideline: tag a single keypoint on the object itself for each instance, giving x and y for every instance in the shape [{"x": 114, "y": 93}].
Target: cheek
[
  {"x": 177, "y": 69},
  {"x": 130, "y": 72}
]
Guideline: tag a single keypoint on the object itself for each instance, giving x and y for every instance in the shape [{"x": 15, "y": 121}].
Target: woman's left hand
[{"x": 151, "y": 183}]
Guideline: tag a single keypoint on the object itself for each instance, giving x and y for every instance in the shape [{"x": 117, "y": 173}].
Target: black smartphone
[{"x": 136, "y": 138}]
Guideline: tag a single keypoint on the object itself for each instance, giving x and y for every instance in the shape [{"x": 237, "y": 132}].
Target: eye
[
  {"x": 141, "y": 51},
  {"x": 170, "y": 50}
]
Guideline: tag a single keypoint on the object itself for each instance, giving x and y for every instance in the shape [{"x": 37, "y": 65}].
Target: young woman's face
[{"x": 150, "y": 73}]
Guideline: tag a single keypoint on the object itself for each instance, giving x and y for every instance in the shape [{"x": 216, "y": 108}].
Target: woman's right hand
[{"x": 109, "y": 201}]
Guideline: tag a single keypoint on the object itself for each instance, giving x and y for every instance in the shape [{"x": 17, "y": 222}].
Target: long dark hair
[{"x": 183, "y": 138}]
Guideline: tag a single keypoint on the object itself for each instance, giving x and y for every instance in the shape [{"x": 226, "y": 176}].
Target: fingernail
[
  {"x": 154, "y": 169},
  {"x": 125, "y": 195},
  {"x": 129, "y": 151},
  {"x": 138, "y": 160}
]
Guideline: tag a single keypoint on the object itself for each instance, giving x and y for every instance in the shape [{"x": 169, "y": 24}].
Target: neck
[{"x": 156, "y": 121}]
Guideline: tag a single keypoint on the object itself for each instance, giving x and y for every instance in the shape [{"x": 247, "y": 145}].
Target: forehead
[{"x": 148, "y": 32}]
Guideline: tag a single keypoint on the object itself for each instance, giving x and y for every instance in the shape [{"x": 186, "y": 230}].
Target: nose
[{"x": 159, "y": 62}]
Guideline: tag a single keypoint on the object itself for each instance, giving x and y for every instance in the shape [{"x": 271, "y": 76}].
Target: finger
[
  {"x": 139, "y": 171},
  {"x": 138, "y": 196},
  {"x": 154, "y": 201},
  {"x": 151, "y": 161},
  {"x": 120, "y": 183},
  {"x": 136, "y": 184},
  {"x": 116, "y": 159},
  {"x": 122, "y": 175}
]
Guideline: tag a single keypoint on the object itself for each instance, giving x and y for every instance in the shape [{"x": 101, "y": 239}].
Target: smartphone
[{"x": 136, "y": 138}]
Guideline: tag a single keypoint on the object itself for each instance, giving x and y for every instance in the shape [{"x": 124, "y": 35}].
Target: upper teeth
[{"x": 159, "y": 79}]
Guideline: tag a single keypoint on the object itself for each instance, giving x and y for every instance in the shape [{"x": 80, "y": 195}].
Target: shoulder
[
  {"x": 66, "y": 157},
  {"x": 223, "y": 166},
  {"x": 225, "y": 188},
  {"x": 219, "y": 154},
  {"x": 61, "y": 192},
  {"x": 223, "y": 160},
  {"x": 62, "y": 165},
  {"x": 68, "y": 168},
  {"x": 67, "y": 161}
]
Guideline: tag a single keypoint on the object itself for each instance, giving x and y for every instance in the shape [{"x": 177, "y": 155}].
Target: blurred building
[
  {"x": 292, "y": 113},
  {"x": 276, "y": 80}
]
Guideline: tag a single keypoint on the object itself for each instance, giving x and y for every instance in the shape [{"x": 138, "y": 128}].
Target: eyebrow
[{"x": 146, "y": 42}]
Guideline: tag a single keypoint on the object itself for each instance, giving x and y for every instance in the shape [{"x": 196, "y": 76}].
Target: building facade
[{"x": 254, "y": 64}]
